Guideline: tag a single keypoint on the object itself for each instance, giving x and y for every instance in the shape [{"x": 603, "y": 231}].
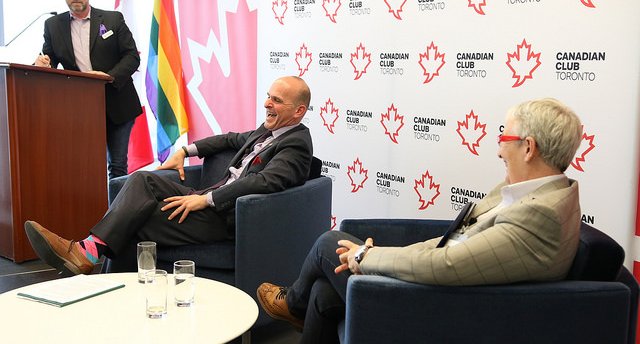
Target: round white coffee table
[{"x": 221, "y": 313}]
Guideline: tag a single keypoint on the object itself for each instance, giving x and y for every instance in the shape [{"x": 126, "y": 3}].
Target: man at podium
[{"x": 91, "y": 40}]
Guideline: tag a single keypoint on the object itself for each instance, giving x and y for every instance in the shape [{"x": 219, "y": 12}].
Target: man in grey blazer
[
  {"x": 526, "y": 229},
  {"x": 274, "y": 157},
  {"x": 91, "y": 40}
]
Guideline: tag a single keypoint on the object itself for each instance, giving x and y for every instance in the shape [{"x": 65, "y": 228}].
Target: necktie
[
  {"x": 251, "y": 148},
  {"x": 457, "y": 223}
]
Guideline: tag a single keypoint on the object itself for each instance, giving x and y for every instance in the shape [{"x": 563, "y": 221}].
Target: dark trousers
[
  {"x": 118, "y": 148},
  {"x": 135, "y": 215},
  {"x": 318, "y": 295}
]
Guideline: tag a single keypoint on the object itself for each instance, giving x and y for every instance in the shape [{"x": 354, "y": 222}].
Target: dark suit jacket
[
  {"x": 283, "y": 163},
  {"x": 116, "y": 55}
]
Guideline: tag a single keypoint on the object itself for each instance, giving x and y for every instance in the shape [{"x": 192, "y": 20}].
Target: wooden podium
[{"x": 52, "y": 154}]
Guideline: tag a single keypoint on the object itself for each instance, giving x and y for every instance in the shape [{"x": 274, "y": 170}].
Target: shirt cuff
[
  {"x": 210, "y": 199},
  {"x": 192, "y": 149}
]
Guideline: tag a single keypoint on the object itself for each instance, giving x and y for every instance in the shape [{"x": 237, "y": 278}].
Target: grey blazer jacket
[{"x": 534, "y": 239}]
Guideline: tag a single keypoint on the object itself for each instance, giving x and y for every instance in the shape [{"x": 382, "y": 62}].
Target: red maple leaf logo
[
  {"x": 431, "y": 62},
  {"x": 329, "y": 115},
  {"x": 303, "y": 59},
  {"x": 523, "y": 64},
  {"x": 279, "y": 7},
  {"x": 478, "y": 5},
  {"x": 360, "y": 60},
  {"x": 586, "y": 146},
  {"x": 588, "y": 3},
  {"x": 427, "y": 194},
  {"x": 471, "y": 131},
  {"x": 358, "y": 175},
  {"x": 395, "y": 7},
  {"x": 331, "y": 8},
  {"x": 392, "y": 124},
  {"x": 333, "y": 222}
]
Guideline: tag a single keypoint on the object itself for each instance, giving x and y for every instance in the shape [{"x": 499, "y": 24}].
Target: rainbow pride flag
[{"x": 164, "y": 80}]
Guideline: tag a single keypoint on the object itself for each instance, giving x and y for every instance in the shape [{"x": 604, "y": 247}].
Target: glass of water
[
  {"x": 146, "y": 258},
  {"x": 184, "y": 288},
  {"x": 156, "y": 293}
]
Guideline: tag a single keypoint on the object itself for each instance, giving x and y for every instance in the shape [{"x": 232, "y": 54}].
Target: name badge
[{"x": 107, "y": 34}]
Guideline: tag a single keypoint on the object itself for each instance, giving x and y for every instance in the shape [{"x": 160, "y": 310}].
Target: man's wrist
[
  {"x": 186, "y": 152},
  {"x": 361, "y": 253}
]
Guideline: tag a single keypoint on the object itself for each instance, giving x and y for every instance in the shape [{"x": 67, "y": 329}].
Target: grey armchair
[
  {"x": 597, "y": 303},
  {"x": 269, "y": 246}
]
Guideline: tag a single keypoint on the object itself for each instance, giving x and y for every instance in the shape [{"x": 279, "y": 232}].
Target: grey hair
[{"x": 556, "y": 129}]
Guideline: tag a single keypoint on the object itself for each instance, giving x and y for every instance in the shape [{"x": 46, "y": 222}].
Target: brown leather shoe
[
  {"x": 272, "y": 300},
  {"x": 62, "y": 254}
]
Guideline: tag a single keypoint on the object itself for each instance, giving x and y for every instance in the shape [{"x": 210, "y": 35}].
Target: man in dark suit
[
  {"x": 274, "y": 157},
  {"x": 90, "y": 40}
]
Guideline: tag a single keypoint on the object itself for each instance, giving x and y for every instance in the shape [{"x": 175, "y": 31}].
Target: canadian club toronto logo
[
  {"x": 586, "y": 146},
  {"x": 360, "y": 60},
  {"x": 395, "y": 7},
  {"x": 392, "y": 121},
  {"x": 471, "y": 131},
  {"x": 523, "y": 62},
  {"x": 431, "y": 62},
  {"x": 279, "y": 7},
  {"x": 358, "y": 175},
  {"x": 427, "y": 190},
  {"x": 478, "y": 5},
  {"x": 588, "y": 3},
  {"x": 329, "y": 115},
  {"x": 303, "y": 59},
  {"x": 331, "y": 8}
]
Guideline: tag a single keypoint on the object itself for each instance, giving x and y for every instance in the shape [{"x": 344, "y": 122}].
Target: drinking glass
[
  {"x": 184, "y": 282},
  {"x": 146, "y": 258}
]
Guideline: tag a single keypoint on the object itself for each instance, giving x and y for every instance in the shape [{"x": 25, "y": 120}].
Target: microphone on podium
[{"x": 28, "y": 26}]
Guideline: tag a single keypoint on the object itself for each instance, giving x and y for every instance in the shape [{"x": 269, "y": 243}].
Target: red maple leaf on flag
[
  {"x": 395, "y": 7},
  {"x": 471, "y": 131},
  {"x": 586, "y": 146},
  {"x": 360, "y": 60},
  {"x": 391, "y": 124},
  {"x": 478, "y": 5},
  {"x": 279, "y": 7},
  {"x": 303, "y": 59},
  {"x": 427, "y": 194},
  {"x": 331, "y": 8},
  {"x": 358, "y": 175},
  {"x": 588, "y": 3},
  {"x": 523, "y": 64},
  {"x": 329, "y": 115},
  {"x": 431, "y": 62},
  {"x": 333, "y": 222}
]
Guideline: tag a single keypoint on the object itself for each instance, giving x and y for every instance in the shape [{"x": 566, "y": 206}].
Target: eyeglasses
[{"x": 507, "y": 138}]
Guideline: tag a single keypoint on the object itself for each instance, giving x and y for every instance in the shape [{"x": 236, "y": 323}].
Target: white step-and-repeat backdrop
[{"x": 410, "y": 95}]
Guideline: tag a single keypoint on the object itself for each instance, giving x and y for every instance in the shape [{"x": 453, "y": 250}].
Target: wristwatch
[{"x": 359, "y": 256}]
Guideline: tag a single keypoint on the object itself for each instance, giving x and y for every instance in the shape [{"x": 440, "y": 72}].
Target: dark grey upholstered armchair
[
  {"x": 274, "y": 232},
  {"x": 597, "y": 303}
]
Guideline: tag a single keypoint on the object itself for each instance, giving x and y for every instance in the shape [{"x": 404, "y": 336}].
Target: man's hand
[
  {"x": 175, "y": 162},
  {"x": 43, "y": 61},
  {"x": 347, "y": 252},
  {"x": 184, "y": 205},
  {"x": 97, "y": 72}
]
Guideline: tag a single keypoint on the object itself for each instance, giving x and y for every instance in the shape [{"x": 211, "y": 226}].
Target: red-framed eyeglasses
[{"x": 507, "y": 138}]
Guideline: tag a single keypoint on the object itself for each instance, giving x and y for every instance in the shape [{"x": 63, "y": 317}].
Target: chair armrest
[
  {"x": 395, "y": 232},
  {"x": 274, "y": 232},
  {"x": 191, "y": 176},
  {"x": 385, "y": 310}
]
